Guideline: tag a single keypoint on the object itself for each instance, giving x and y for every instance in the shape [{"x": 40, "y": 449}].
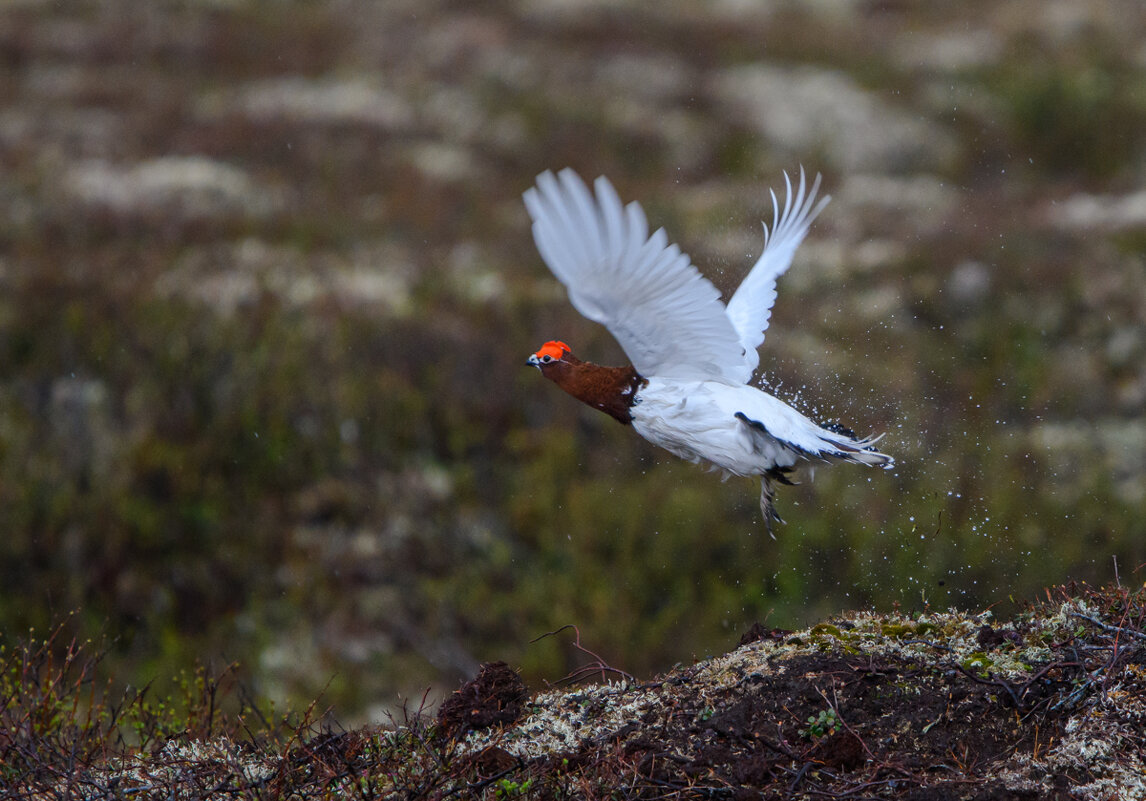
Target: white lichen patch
[
  {"x": 229, "y": 277},
  {"x": 140, "y": 775},
  {"x": 1097, "y": 744},
  {"x": 186, "y": 188},
  {"x": 329, "y": 101},
  {"x": 563, "y": 721}
]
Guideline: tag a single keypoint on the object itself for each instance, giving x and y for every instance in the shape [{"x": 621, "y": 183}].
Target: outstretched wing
[
  {"x": 666, "y": 316},
  {"x": 751, "y": 306}
]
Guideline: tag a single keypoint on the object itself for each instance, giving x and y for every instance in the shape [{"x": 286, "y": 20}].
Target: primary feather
[{"x": 750, "y": 308}]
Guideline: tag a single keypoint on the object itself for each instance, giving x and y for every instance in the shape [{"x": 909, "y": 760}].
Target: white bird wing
[
  {"x": 750, "y": 308},
  {"x": 666, "y": 316}
]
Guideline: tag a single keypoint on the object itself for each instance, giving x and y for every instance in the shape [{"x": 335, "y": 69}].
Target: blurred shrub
[
  {"x": 1076, "y": 115},
  {"x": 322, "y": 493}
]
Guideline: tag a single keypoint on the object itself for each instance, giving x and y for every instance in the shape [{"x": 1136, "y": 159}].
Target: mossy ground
[{"x": 1049, "y": 703}]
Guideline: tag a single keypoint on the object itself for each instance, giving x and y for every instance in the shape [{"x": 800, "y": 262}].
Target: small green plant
[
  {"x": 507, "y": 788},
  {"x": 827, "y": 722}
]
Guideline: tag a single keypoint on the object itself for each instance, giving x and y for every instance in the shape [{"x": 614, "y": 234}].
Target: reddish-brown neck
[{"x": 610, "y": 389}]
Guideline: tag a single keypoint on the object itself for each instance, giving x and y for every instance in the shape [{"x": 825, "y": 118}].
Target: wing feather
[
  {"x": 613, "y": 216},
  {"x": 666, "y": 316},
  {"x": 750, "y": 308}
]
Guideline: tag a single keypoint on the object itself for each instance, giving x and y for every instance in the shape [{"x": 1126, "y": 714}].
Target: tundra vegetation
[{"x": 267, "y": 287}]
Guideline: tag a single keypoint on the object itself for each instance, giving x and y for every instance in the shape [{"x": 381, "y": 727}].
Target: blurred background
[{"x": 267, "y": 288}]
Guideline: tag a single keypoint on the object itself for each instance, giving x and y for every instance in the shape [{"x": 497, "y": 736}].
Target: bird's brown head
[{"x": 612, "y": 390}]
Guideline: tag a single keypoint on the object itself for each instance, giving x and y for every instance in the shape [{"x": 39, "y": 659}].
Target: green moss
[
  {"x": 977, "y": 662},
  {"x": 825, "y": 629}
]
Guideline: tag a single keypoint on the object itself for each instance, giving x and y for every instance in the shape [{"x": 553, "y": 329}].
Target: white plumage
[{"x": 695, "y": 354}]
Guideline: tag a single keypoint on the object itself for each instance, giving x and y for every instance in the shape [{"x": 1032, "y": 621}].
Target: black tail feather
[{"x": 840, "y": 428}]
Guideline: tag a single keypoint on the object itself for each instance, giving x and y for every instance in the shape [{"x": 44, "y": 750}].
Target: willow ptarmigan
[{"x": 692, "y": 357}]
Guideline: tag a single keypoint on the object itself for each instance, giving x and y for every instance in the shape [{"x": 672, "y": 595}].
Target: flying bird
[{"x": 687, "y": 389}]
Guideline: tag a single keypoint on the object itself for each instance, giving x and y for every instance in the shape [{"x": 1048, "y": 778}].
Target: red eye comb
[{"x": 554, "y": 349}]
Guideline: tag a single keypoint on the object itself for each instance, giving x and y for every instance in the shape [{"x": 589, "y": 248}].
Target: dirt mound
[
  {"x": 1048, "y": 704},
  {"x": 495, "y": 696}
]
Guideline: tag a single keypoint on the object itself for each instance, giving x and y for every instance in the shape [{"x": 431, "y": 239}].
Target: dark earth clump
[{"x": 496, "y": 695}]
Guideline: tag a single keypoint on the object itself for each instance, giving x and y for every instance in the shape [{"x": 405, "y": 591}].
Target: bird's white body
[
  {"x": 693, "y": 355},
  {"x": 704, "y": 421}
]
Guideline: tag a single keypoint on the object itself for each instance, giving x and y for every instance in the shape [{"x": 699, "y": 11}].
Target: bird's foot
[{"x": 767, "y": 508}]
